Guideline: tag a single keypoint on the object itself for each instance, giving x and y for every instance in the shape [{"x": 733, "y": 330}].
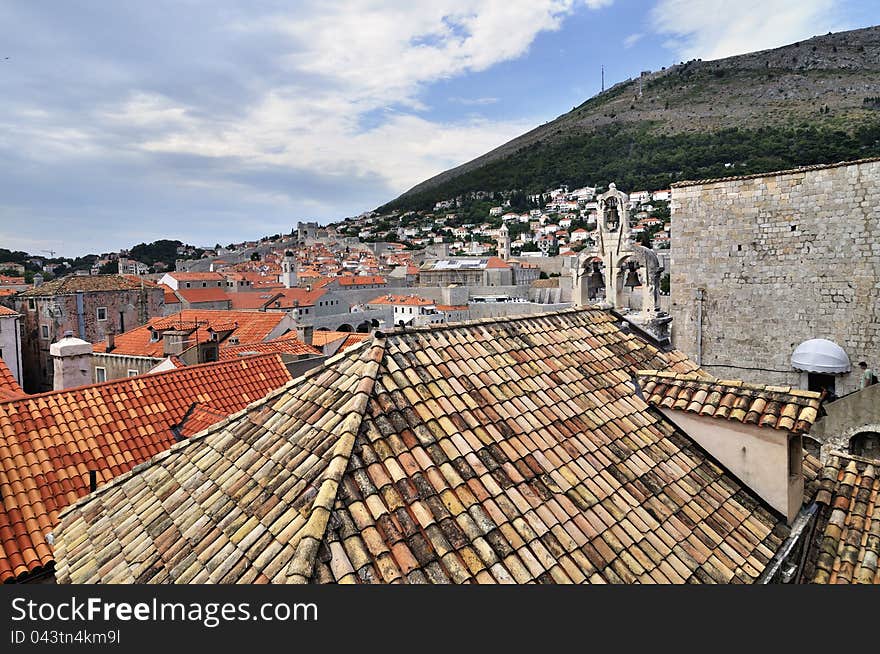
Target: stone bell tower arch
[
  {"x": 621, "y": 257},
  {"x": 614, "y": 240}
]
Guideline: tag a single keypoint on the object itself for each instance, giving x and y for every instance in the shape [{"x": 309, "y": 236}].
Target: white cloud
[
  {"x": 240, "y": 115},
  {"x": 474, "y": 102},
  {"x": 713, "y": 29},
  {"x": 364, "y": 56},
  {"x": 631, "y": 40}
]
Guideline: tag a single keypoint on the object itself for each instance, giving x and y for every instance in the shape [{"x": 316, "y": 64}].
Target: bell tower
[
  {"x": 614, "y": 240},
  {"x": 288, "y": 270},
  {"x": 504, "y": 243}
]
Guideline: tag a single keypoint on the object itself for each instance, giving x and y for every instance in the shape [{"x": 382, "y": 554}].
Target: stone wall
[
  {"x": 782, "y": 258},
  {"x": 125, "y": 310},
  {"x": 117, "y": 366},
  {"x": 854, "y": 414}
]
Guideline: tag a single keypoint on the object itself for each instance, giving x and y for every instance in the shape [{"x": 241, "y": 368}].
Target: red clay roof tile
[{"x": 49, "y": 442}]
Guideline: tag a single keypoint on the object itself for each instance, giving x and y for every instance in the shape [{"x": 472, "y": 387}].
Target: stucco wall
[
  {"x": 782, "y": 258},
  {"x": 757, "y": 456},
  {"x": 10, "y": 345}
]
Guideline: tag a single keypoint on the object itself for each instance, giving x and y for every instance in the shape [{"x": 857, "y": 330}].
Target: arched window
[{"x": 866, "y": 444}]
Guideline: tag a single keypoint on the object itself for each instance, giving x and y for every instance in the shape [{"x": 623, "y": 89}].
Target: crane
[{"x": 51, "y": 252}]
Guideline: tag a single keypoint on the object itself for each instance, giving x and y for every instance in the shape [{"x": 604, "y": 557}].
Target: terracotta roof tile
[
  {"x": 408, "y": 300},
  {"x": 49, "y": 442},
  {"x": 196, "y": 276},
  {"x": 287, "y": 344},
  {"x": 248, "y": 326},
  {"x": 321, "y": 338},
  {"x": 777, "y": 407},
  {"x": 9, "y": 388},
  {"x": 195, "y": 295},
  {"x": 361, "y": 280},
  {"x": 88, "y": 283},
  {"x": 555, "y": 470},
  {"x": 848, "y": 547}
]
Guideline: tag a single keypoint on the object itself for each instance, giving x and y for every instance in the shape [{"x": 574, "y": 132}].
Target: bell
[
  {"x": 632, "y": 275},
  {"x": 596, "y": 277}
]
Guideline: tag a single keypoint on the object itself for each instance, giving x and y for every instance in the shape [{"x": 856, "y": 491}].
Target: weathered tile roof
[
  {"x": 198, "y": 418},
  {"x": 9, "y": 388},
  {"x": 361, "y": 280},
  {"x": 170, "y": 296},
  {"x": 287, "y": 344},
  {"x": 50, "y": 442},
  {"x": 86, "y": 283},
  {"x": 778, "y": 407},
  {"x": 501, "y": 450},
  {"x": 320, "y": 338},
  {"x": 407, "y": 300},
  {"x": 849, "y": 545},
  {"x": 196, "y": 276},
  {"x": 195, "y": 295},
  {"x": 252, "y": 326},
  {"x": 6, "y": 311}
]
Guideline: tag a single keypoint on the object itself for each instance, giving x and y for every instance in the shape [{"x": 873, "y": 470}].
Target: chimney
[
  {"x": 72, "y": 358},
  {"x": 38, "y": 280},
  {"x": 173, "y": 342},
  {"x": 305, "y": 333},
  {"x": 110, "y": 338}
]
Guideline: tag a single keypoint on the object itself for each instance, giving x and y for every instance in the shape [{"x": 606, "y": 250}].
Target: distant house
[
  {"x": 179, "y": 280},
  {"x": 410, "y": 309},
  {"x": 90, "y": 307},
  {"x": 191, "y": 336},
  {"x": 579, "y": 234},
  {"x": 466, "y": 271},
  {"x": 17, "y": 268}
]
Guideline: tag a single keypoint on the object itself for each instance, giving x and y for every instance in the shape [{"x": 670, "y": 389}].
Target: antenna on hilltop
[{"x": 603, "y": 78}]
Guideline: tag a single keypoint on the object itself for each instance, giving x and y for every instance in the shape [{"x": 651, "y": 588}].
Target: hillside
[{"x": 810, "y": 102}]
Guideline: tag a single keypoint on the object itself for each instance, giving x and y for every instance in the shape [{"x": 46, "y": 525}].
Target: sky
[{"x": 224, "y": 121}]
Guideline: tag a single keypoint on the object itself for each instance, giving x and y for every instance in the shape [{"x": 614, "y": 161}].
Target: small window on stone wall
[{"x": 866, "y": 444}]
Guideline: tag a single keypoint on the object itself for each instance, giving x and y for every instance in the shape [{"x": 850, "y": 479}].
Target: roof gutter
[{"x": 804, "y": 518}]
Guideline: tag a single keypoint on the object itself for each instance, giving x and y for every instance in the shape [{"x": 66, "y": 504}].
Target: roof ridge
[
  {"x": 732, "y": 383},
  {"x": 339, "y": 458},
  {"x": 177, "y": 447},
  {"x": 300, "y": 568},
  {"x": 437, "y": 327},
  {"x": 151, "y": 375}
]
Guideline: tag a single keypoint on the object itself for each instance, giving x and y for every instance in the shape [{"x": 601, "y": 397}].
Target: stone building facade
[
  {"x": 91, "y": 307},
  {"x": 763, "y": 263}
]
